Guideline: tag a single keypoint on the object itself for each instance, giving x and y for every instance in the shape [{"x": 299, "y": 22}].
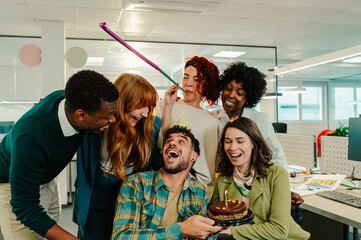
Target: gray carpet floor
[{"x": 66, "y": 219}]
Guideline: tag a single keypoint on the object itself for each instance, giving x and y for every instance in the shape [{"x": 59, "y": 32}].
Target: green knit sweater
[{"x": 34, "y": 152}]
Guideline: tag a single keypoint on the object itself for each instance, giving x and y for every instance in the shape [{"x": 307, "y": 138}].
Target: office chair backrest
[{"x": 280, "y": 127}]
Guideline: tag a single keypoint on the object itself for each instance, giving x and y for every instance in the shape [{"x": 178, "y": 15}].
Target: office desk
[
  {"x": 328, "y": 219},
  {"x": 334, "y": 210}
]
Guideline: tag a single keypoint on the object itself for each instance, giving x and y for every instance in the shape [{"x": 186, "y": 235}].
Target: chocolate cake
[{"x": 234, "y": 211}]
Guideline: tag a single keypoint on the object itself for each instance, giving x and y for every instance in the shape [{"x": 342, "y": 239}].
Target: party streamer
[{"x": 121, "y": 41}]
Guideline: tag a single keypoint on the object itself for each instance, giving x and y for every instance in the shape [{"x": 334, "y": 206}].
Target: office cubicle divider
[
  {"x": 300, "y": 150},
  {"x": 334, "y": 157}
]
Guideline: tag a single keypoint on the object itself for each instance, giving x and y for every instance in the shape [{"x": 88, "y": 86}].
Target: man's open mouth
[{"x": 172, "y": 154}]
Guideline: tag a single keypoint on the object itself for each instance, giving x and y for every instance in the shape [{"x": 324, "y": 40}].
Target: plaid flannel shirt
[{"x": 141, "y": 203}]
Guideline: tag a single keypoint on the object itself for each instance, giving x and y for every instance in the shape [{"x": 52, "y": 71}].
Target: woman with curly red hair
[{"x": 200, "y": 83}]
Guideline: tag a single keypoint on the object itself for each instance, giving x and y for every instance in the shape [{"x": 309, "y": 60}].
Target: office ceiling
[{"x": 300, "y": 29}]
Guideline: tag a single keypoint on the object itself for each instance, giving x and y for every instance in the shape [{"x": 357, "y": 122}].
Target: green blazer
[{"x": 270, "y": 202}]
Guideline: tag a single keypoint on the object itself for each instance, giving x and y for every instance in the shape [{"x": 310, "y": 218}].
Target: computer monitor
[
  {"x": 354, "y": 139},
  {"x": 280, "y": 127}
]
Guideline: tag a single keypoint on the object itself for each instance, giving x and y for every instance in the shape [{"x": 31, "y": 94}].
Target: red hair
[
  {"x": 131, "y": 146},
  {"x": 208, "y": 76}
]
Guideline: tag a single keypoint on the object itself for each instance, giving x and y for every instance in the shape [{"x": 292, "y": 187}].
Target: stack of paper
[{"x": 319, "y": 183}]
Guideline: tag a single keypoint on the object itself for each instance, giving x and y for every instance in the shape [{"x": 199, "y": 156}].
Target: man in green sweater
[{"x": 41, "y": 144}]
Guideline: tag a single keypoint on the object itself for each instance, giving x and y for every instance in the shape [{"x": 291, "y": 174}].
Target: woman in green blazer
[{"x": 248, "y": 175}]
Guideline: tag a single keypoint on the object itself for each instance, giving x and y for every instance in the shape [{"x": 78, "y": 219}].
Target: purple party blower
[{"x": 121, "y": 41}]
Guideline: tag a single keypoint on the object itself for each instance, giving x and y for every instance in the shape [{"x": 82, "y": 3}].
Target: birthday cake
[{"x": 233, "y": 210}]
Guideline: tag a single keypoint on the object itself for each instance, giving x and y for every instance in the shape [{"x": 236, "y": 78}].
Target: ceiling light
[
  {"x": 353, "y": 60},
  {"x": 230, "y": 54},
  {"x": 272, "y": 95},
  {"x": 94, "y": 61},
  {"x": 312, "y": 62},
  {"x": 171, "y": 6},
  {"x": 164, "y": 10},
  {"x": 295, "y": 90}
]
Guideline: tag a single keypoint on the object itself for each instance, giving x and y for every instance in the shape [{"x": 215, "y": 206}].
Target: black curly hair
[
  {"x": 87, "y": 89},
  {"x": 187, "y": 132},
  {"x": 252, "y": 81}
]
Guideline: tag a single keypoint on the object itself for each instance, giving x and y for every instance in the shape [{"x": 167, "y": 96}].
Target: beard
[{"x": 181, "y": 166}]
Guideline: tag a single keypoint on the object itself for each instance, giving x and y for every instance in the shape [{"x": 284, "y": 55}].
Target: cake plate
[{"x": 245, "y": 220}]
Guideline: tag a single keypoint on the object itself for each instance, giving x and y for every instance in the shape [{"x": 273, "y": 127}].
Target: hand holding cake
[{"x": 201, "y": 226}]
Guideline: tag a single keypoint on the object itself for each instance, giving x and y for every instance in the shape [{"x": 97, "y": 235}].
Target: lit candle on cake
[{"x": 225, "y": 194}]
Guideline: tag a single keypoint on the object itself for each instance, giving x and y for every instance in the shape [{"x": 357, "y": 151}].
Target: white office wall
[
  {"x": 306, "y": 128},
  {"x": 268, "y": 106},
  {"x": 53, "y": 56}
]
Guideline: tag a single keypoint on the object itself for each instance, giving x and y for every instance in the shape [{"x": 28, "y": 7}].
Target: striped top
[{"x": 141, "y": 203}]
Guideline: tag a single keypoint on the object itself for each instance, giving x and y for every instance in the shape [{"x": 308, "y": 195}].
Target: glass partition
[
  {"x": 170, "y": 57},
  {"x": 21, "y": 85},
  {"x": 341, "y": 80}
]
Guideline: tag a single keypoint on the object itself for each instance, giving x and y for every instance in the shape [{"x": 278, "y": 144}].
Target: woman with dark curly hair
[
  {"x": 201, "y": 83},
  {"x": 248, "y": 175},
  {"x": 243, "y": 87}
]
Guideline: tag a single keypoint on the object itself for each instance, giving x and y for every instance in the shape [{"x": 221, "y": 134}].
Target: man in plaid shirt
[{"x": 166, "y": 204}]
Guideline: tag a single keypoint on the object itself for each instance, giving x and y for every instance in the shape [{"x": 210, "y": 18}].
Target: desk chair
[{"x": 279, "y": 127}]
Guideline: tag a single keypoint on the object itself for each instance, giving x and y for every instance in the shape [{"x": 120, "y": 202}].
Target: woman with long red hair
[
  {"x": 200, "y": 83},
  {"x": 105, "y": 161}
]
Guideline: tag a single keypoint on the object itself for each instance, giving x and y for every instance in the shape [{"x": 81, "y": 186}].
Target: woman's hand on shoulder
[{"x": 296, "y": 199}]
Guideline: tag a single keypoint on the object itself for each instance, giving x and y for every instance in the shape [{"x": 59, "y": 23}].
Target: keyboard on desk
[{"x": 341, "y": 197}]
